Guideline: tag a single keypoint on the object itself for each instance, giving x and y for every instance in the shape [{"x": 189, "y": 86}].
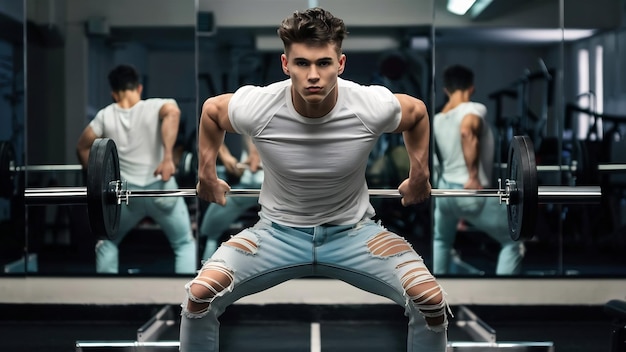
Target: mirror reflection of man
[
  {"x": 144, "y": 131},
  {"x": 464, "y": 147}
]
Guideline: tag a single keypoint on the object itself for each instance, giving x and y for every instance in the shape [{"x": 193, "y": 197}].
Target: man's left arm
[
  {"x": 415, "y": 128},
  {"x": 169, "y": 116}
]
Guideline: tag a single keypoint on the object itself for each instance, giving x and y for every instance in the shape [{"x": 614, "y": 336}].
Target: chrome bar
[
  {"x": 27, "y": 168},
  {"x": 383, "y": 193},
  {"x": 42, "y": 196},
  {"x": 438, "y": 192},
  {"x": 569, "y": 195},
  {"x": 612, "y": 167},
  {"x": 545, "y": 194},
  {"x": 546, "y": 168},
  {"x": 56, "y": 190}
]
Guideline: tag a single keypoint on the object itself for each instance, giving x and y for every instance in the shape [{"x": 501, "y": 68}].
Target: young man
[
  {"x": 465, "y": 147},
  {"x": 314, "y": 132},
  {"x": 144, "y": 132}
]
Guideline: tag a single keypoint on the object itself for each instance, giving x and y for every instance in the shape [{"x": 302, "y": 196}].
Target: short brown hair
[{"x": 314, "y": 26}]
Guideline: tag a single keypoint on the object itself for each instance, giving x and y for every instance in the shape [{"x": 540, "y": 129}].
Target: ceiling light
[{"x": 460, "y": 7}]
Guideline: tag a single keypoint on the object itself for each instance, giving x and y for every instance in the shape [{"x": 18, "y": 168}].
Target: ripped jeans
[{"x": 365, "y": 255}]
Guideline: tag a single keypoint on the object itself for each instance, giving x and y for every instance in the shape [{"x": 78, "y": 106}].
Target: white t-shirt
[
  {"x": 137, "y": 135},
  {"x": 314, "y": 167},
  {"x": 447, "y": 134}
]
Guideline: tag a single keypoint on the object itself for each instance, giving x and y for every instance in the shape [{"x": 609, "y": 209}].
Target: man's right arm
[
  {"x": 214, "y": 123},
  {"x": 83, "y": 146}
]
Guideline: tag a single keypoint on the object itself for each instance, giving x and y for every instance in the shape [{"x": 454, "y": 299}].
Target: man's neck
[
  {"x": 314, "y": 110},
  {"x": 457, "y": 98},
  {"x": 127, "y": 101}
]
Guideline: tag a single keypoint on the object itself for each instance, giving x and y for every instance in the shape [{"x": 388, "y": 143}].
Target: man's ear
[
  {"x": 283, "y": 63},
  {"x": 342, "y": 64},
  {"x": 140, "y": 88}
]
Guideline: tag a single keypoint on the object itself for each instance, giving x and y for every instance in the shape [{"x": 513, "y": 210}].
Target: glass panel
[
  {"x": 594, "y": 97},
  {"x": 388, "y": 43},
  {"x": 12, "y": 111},
  {"x": 73, "y": 45},
  {"x": 513, "y": 49}
]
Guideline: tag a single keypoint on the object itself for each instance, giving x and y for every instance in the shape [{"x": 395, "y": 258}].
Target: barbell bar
[
  {"x": 105, "y": 191},
  {"x": 55, "y": 167},
  {"x": 185, "y": 172},
  {"x": 545, "y": 194},
  {"x": 608, "y": 167}
]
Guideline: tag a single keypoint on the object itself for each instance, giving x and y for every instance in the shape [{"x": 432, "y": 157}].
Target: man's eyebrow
[{"x": 320, "y": 59}]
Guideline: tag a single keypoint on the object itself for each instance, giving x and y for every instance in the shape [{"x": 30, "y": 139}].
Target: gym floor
[{"x": 346, "y": 328}]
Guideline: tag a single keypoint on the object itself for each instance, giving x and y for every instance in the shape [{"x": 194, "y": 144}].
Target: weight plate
[
  {"x": 102, "y": 168},
  {"x": 187, "y": 169},
  {"x": 7, "y": 160},
  {"x": 523, "y": 199}
]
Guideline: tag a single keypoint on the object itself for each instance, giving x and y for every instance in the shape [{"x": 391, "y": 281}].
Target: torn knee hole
[
  {"x": 426, "y": 294},
  {"x": 213, "y": 279},
  {"x": 387, "y": 244}
]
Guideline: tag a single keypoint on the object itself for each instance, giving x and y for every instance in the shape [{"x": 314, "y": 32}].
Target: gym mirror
[
  {"x": 512, "y": 48},
  {"x": 529, "y": 68},
  {"x": 72, "y": 46},
  {"x": 12, "y": 112}
]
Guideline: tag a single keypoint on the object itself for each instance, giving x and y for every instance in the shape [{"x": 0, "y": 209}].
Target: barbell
[
  {"x": 185, "y": 170},
  {"x": 106, "y": 192}
]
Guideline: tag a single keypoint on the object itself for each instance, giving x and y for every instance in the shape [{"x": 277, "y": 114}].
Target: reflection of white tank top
[
  {"x": 447, "y": 133},
  {"x": 314, "y": 167},
  {"x": 137, "y": 135}
]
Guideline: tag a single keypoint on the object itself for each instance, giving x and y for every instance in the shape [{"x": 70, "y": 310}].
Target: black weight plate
[
  {"x": 102, "y": 168},
  {"x": 7, "y": 160},
  {"x": 523, "y": 199},
  {"x": 187, "y": 169}
]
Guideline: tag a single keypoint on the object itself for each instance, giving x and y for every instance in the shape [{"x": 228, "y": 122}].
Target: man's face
[{"x": 313, "y": 71}]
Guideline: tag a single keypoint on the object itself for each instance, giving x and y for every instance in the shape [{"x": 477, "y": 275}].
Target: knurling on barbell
[{"x": 105, "y": 192}]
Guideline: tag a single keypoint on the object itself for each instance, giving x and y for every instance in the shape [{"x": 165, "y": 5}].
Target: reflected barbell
[
  {"x": 106, "y": 192},
  {"x": 185, "y": 170},
  {"x": 608, "y": 167}
]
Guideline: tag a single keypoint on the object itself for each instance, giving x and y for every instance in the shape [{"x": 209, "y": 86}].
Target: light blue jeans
[
  {"x": 365, "y": 255},
  {"x": 486, "y": 214},
  {"x": 170, "y": 213}
]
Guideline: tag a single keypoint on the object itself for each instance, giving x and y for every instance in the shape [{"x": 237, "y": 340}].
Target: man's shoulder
[
  {"x": 255, "y": 93},
  {"x": 158, "y": 101},
  {"x": 480, "y": 108},
  {"x": 272, "y": 88},
  {"x": 106, "y": 110},
  {"x": 371, "y": 93}
]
